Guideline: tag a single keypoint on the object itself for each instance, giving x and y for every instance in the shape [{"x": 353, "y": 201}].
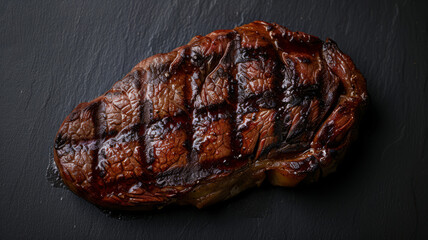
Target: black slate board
[{"x": 56, "y": 54}]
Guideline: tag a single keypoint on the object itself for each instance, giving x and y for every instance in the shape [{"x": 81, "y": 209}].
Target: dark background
[{"x": 56, "y": 54}]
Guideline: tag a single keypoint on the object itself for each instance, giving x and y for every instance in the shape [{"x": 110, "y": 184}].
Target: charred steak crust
[{"x": 214, "y": 117}]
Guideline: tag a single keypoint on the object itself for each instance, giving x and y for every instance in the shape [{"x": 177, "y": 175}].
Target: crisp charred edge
[
  {"x": 95, "y": 107},
  {"x": 61, "y": 141},
  {"x": 206, "y": 193},
  {"x": 328, "y": 156}
]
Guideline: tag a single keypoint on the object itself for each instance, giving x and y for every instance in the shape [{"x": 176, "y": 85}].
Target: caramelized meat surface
[{"x": 212, "y": 118}]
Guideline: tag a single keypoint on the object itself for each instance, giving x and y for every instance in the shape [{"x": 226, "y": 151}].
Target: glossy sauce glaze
[{"x": 212, "y": 118}]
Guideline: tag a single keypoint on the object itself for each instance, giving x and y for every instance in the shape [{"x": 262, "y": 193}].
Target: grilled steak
[{"x": 212, "y": 118}]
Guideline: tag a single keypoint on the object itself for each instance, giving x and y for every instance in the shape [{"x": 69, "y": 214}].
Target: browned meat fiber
[{"x": 212, "y": 118}]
